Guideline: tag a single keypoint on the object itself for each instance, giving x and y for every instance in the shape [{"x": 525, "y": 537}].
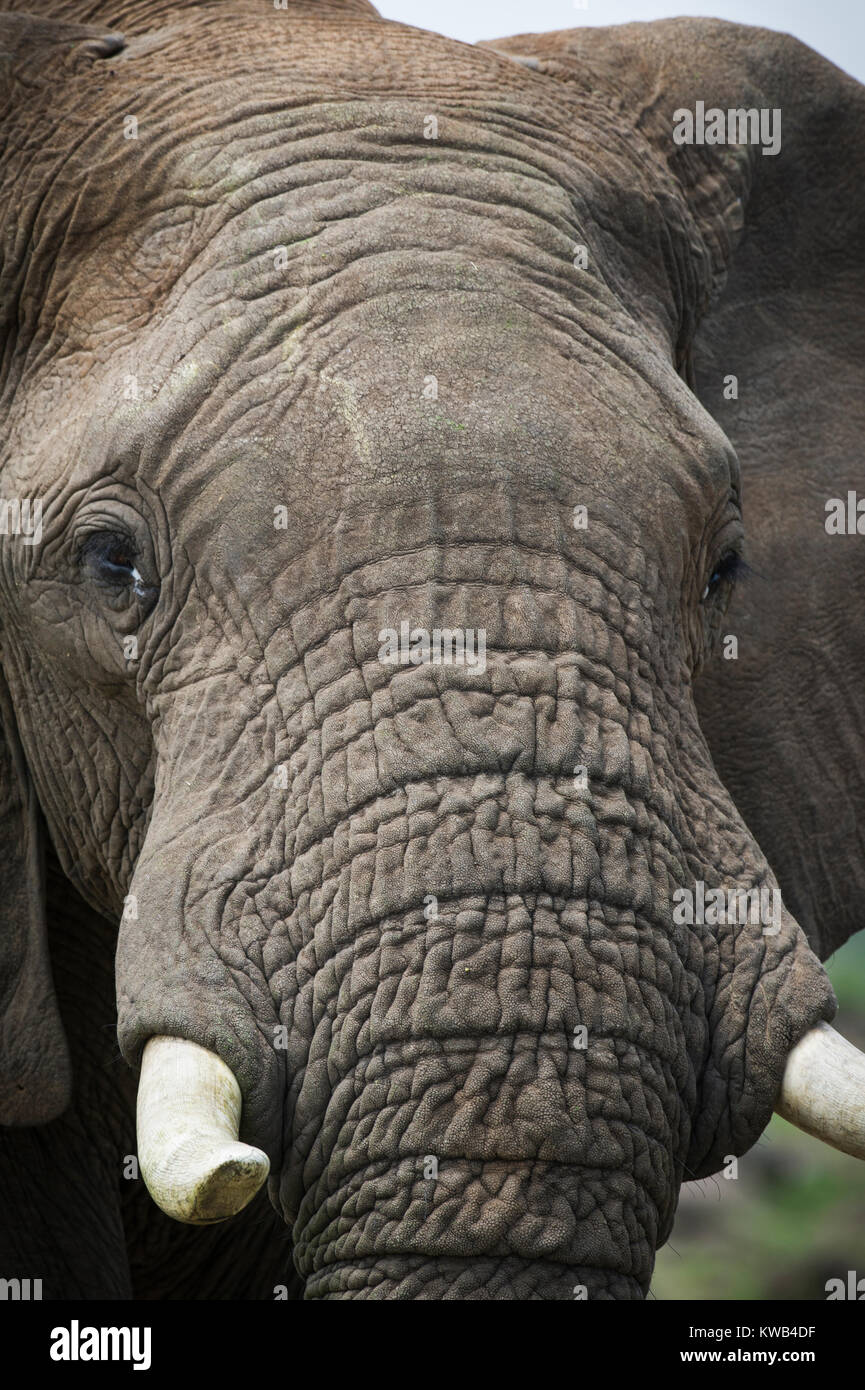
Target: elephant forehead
[
  {"x": 302, "y": 300},
  {"x": 439, "y": 427},
  {"x": 389, "y": 356},
  {"x": 403, "y": 448},
  {"x": 220, "y": 170},
  {"x": 285, "y": 220}
]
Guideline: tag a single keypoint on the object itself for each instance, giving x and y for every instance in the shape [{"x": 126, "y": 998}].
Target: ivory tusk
[
  {"x": 823, "y": 1091},
  {"x": 189, "y": 1106}
]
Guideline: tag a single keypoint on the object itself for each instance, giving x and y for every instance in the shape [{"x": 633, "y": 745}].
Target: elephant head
[{"x": 369, "y": 389}]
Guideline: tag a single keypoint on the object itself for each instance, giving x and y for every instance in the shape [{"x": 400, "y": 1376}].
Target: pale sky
[{"x": 835, "y": 28}]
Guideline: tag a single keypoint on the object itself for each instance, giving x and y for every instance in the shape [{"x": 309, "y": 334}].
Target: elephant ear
[
  {"x": 785, "y": 720},
  {"x": 34, "y": 1058},
  {"x": 779, "y": 243}
]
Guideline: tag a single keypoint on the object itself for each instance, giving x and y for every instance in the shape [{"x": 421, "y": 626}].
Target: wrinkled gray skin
[{"x": 297, "y": 379}]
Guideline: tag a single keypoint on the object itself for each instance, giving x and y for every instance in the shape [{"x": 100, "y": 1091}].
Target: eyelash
[
  {"x": 117, "y": 553},
  {"x": 114, "y": 551},
  {"x": 731, "y": 567}
]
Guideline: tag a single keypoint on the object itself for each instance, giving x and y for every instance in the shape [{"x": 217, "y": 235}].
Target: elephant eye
[
  {"x": 728, "y": 569},
  {"x": 110, "y": 560}
]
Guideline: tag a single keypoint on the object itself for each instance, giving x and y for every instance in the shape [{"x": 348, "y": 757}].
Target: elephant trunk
[
  {"x": 484, "y": 1231},
  {"x": 493, "y": 1109}
]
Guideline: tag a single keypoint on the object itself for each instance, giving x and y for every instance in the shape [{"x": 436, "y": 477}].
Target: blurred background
[
  {"x": 836, "y": 28},
  {"x": 795, "y": 1215}
]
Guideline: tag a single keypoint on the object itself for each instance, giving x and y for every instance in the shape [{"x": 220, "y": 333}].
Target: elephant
[{"x": 430, "y": 635}]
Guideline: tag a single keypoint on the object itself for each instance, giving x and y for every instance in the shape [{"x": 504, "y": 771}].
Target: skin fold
[{"x": 285, "y": 373}]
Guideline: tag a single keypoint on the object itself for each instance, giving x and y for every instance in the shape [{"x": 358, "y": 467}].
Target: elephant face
[{"x": 383, "y": 536}]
